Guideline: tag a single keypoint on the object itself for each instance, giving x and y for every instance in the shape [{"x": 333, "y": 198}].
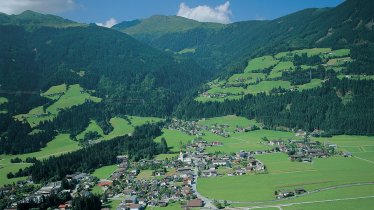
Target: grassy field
[
  {"x": 312, "y": 84},
  {"x": 105, "y": 171},
  {"x": 266, "y": 86},
  {"x": 256, "y": 81},
  {"x": 74, "y": 95},
  {"x": 55, "y": 92},
  {"x": 187, "y": 50},
  {"x": 284, "y": 174},
  {"x": 231, "y": 120},
  {"x": 3, "y": 100},
  {"x": 276, "y": 72},
  {"x": 93, "y": 126},
  {"x": 260, "y": 63},
  {"x": 61, "y": 144},
  {"x": 144, "y": 174},
  {"x": 245, "y": 78},
  {"x": 173, "y": 139}
]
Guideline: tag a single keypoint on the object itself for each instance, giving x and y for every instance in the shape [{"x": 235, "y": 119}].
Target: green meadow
[
  {"x": 174, "y": 138},
  {"x": 256, "y": 80},
  {"x": 266, "y": 86},
  {"x": 105, "y": 171},
  {"x": 61, "y": 144},
  {"x": 260, "y": 63},
  {"x": 284, "y": 174},
  {"x": 64, "y": 98}
]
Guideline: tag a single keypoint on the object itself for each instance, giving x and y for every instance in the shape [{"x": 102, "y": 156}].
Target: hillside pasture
[
  {"x": 246, "y": 78},
  {"x": 74, "y": 95},
  {"x": 261, "y": 63},
  {"x": 266, "y": 86},
  {"x": 59, "y": 145},
  {"x": 174, "y": 138},
  {"x": 105, "y": 171},
  {"x": 55, "y": 92},
  {"x": 284, "y": 174}
]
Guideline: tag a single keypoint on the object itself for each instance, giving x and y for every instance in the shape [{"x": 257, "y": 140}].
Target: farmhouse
[{"x": 195, "y": 203}]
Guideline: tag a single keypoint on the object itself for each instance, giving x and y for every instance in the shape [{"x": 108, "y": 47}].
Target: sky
[{"x": 110, "y": 12}]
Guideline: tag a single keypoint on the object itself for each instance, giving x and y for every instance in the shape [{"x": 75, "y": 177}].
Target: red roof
[
  {"x": 104, "y": 183},
  {"x": 195, "y": 203}
]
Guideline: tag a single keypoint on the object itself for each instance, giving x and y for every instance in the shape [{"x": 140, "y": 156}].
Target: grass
[
  {"x": 93, "y": 126},
  {"x": 312, "y": 84},
  {"x": 187, "y": 50},
  {"x": 138, "y": 121},
  {"x": 113, "y": 204},
  {"x": 228, "y": 90},
  {"x": 74, "y": 95},
  {"x": 232, "y": 120},
  {"x": 284, "y": 174},
  {"x": 173, "y": 139},
  {"x": 61, "y": 144},
  {"x": 245, "y": 78},
  {"x": 165, "y": 156},
  {"x": 172, "y": 206},
  {"x": 3, "y": 100},
  {"x": 281, "y": 66},
  {"x": 144, "y": 174},
  {"x": 260, "y": 63},
  {"x": 205, "y": 99},
  {"x": 105, "y": 171},
  {"x": 121, "y": 127},
  {"x": 97, "y": 190},
  {"x": 266, "y": 86},
  {"x": 55, "y": 92}
]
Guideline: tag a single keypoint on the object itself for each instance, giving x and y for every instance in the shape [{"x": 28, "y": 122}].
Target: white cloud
[
  {"x": 109, "y": 23},
  {"x": 42, "y": 6},
  {"x": 204, "y": 13}
]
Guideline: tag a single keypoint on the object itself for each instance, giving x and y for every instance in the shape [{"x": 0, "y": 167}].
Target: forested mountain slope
[
  {"x": 231, "y": 46},
  {"x": 95, "y": 72}
]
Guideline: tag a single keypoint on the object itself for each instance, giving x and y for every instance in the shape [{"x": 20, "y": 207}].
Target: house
[
  {"x": 162, "y": 203},
  {"x": 300, "y": 191},
  {"x": 284, "y": 194},
  {"x": 130, "y": 199},
  {"x": 135, "y": 206},
  {"x": 195, "y": 203},
  {"x": 219, "y": 162},
  {"x": 347, "y": 154},
  {"x": 240, "y": 172},
  {"x": 142, "y": 201},
  {"x": 217, "y": 143},
  {"x": 209, "y": 173}
]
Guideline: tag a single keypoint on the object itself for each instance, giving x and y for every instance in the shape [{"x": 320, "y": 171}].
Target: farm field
[
  {"x": 105, "y": 171},
  {"x": 61, "y": 144},
  {"x": 266, "y": 73},
  {"x": 173, "y": 139},
  {"x": 284, "y": 174},
  {"x": 65, "y": 97},
  {"x": 287, "y": 175}
]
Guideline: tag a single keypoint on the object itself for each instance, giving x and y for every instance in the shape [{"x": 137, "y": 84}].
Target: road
[
  {"x": 308, "y": 193},
  {"x": 207, "y": 201},
  {"x": 310, "y": 202}
]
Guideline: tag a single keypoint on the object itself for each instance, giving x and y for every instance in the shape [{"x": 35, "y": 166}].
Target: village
[{"x": 174, "y": 179}]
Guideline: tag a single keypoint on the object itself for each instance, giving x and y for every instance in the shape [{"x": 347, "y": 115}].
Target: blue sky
[{"x": 94, "y": 11}]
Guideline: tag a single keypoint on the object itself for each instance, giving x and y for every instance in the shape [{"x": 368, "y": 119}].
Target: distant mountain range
[
  {"x": 220, "y": 46},
  {"x": 160, "y": 65}
]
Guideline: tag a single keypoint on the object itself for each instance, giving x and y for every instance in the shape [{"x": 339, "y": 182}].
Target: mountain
[
  {"x": 159, "y": 25},
  {"x": 230, "y": 46},
  {"x": 31, "y": 20},
  {"x": 51, "y": 54}
]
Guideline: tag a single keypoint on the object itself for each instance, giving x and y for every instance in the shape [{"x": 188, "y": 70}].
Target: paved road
[
  {"x": 310, "y": 192},
  {"x": 310, "y": 202},
  {"x": 207, "y": 201}
]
